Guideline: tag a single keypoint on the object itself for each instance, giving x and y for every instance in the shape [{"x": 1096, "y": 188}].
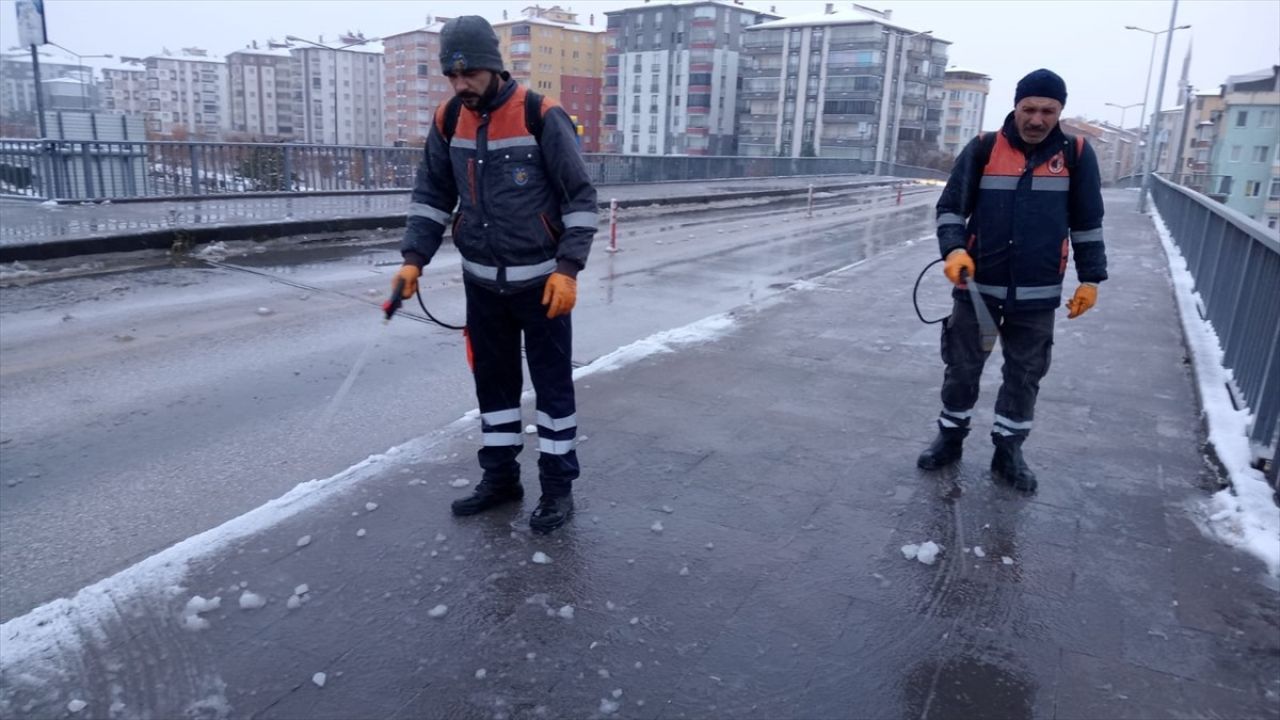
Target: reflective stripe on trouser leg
[
  {"x": 954, "y": 419},
  {"x": 495, "y": 342},
  {"x": 1027, "y": 341},
  {"x": 548, "y": 348},
  {"x": 962, "y": 353}
]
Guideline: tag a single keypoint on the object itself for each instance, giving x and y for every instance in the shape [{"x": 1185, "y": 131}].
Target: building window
[
  {"x": 1252, "y": 188},
  {"x": 1267, "y": 119},
  {"x": 1242, "y": 118},
  {"x": 1274, "y": 194},
  {"x": 1235, "y": 153},
  {"x": 1260, "y": 153}
]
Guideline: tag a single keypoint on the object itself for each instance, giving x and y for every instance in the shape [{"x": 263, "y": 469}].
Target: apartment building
[
  {"x": 124, "y": 86},
  {"x": 847, "y": 83},
  {"x": 186, "y": 95},
  {"x": 262, "y": 88},
  {"x": 1116, "y": 148},
  {"x": 339, "y": 93},
  {"x": 1247, "y": 143},
  {"x": 415, "y": 87},
  {"x": 550, "y": 52},
  {"x": 965, "y": 108},
  {"x": 672, "y": 77},
  {"x": 18, "y": 87}
]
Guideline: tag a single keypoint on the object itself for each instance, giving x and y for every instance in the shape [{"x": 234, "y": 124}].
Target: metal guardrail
[
  {"x": 116, "y": 170},
  {"x": 1235, "y": 262}
]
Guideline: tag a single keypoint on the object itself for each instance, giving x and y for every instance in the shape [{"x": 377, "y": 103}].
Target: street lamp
[
  {"x": 1146, "y": 89},
  {"x": 897, "y": 117},
  {"x": 1123, "y": 129},
  {"x": 84, "y": 104},
  {"x": 334, "y": 50}
]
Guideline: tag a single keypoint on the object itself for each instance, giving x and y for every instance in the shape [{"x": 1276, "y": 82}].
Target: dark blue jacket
[
  {"x": 525, "y": 207},
  {"x": 1020, "y": 215}
]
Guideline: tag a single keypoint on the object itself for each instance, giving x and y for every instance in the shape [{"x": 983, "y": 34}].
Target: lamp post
[
  {"x": 334, "y": 50},
  {"x": 1123, "y": 109},
  {"x": 897, "y": 105},
  {"x": 1146, "y": 91},
  {"x": 84, "y": 103}
]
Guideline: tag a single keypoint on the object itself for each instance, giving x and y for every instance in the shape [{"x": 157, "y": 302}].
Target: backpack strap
[
  {"x": 451, "y": 112},
  {"x": 986, "y": 142},
  {"x": 533, "y": 114}
]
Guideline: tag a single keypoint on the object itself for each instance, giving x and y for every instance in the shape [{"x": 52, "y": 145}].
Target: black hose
[
  {"x": 915, "y": 291},
  {"x": 433, "y": 318}
]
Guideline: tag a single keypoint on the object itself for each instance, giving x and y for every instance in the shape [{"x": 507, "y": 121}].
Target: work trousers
[
  {"x": 1026, "y": 339},
  {"x": 495, "y": 323}
]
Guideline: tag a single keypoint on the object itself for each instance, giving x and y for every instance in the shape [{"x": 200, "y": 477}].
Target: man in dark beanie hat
[
  {"x": 1016, "y": 202},
  {"x": 507, "y": 159}
]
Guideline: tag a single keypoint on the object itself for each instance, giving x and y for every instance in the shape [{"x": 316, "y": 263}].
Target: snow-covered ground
[{"x": 1244, "y": 514}]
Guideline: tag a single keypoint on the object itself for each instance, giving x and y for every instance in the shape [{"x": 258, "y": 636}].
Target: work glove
[
  {"x": 410, "y": 275},
  {"x": 560, "y": 294},
  {"x": 958, "y": 260},
  {"x": 1085, "y": 297}
]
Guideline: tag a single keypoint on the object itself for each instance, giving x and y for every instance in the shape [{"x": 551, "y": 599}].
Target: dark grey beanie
[
  {"x": 1041, "y": 83},
  {"x": 469, "y": 43}
]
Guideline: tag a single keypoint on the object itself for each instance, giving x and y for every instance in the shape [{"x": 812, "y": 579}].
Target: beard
[{"x": 474, "y": 101}]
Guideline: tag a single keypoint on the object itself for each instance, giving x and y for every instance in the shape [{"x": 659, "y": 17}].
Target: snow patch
[
  {"x": 566, "y": 612},
  {"x": 1243, "y": 515},
  {"x": 76, "y": 706},
  {"x": 251, "y": 600},
  {"x": 304, "y": 541},
  {"x": 540, "y": 558},
  {"x": 319, "y": 679},
  {"x": 656, "y": 526},
  {"x": 438, "y": 611},
  {"x": 459, "y": 483}
]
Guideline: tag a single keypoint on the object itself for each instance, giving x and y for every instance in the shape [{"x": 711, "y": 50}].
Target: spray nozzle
[{"x": 393, "y": 303}]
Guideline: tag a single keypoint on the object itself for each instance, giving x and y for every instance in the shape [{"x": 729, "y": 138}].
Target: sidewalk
[
  {"x": 31, "y": 230},
  {"x": 736, "y": 552}
]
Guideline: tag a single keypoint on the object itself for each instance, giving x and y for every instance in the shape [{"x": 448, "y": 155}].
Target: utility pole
[
  {"x": 35, "y": 72},
  {"x": 1155, "y": 122}
]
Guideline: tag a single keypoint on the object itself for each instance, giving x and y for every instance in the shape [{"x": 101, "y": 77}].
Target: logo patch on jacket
[
  {"x": 1057, "y": 164},
  {"x": 521, "y": 176}
]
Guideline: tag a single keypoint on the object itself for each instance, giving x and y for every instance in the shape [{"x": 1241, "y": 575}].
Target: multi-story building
[
  {"x": 965, "y": 108},
  {"x": 261, "y": 92},
  {"x": 186, "y": 95},
  {"x": 1248, "y": 140},
  {"x": 414, "y": 87},
  {"x": 672, "y": 74},
  {"x": 339, "y": 94},
  {"x": 18, "y": 87},
  {"x": 548, "y": 51},
  {"x": 846, "y": 83},
  {"x": 124, "y": 86},
  {"x": 1115, "y": 147},
  {"x": 1207, "y": 109}
]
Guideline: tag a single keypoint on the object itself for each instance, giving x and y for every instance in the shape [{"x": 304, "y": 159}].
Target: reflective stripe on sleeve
[
  {"x": 950, "y": 219},
  {"x": 580, "y": 219},
  {"x": 428, "y": 212},
  {"x": 1087, "y": 236}
]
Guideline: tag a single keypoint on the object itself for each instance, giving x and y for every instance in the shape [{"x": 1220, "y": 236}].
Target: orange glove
[
  {"x": 561, "y": 294},
  {"x": 1085, "y": 297},
  {"x": 410, "y": 275},
  {"x": 957, "y": 260}
]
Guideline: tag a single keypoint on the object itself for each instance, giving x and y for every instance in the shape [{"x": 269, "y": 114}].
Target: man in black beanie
[
  {"x": 1016, "y": 202},
  {"x": 508, "y": 160}
]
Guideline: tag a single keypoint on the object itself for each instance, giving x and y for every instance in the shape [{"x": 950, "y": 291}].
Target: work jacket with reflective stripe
[
  {"x": 1020, "y": 215},
  {"x": 523, "y": 208}
]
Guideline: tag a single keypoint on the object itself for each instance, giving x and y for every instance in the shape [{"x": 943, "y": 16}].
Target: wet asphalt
[{"x": 778, "y": 459}]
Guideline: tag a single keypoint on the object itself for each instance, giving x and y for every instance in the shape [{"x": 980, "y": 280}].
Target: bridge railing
[
  {"x": 110, "y": 170},
  {"x": 1235, "y": 262}
]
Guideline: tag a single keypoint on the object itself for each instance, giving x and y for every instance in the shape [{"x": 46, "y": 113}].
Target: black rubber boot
[
  {"x": 488, "y": 495},
  {"x": 1008, "y": 465},
  {"x": 945, "y": 449},
  {"x": 552, "y": 512}
]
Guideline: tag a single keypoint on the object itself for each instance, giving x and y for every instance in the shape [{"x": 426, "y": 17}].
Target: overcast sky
[{"x": 1082, "y": 40}]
